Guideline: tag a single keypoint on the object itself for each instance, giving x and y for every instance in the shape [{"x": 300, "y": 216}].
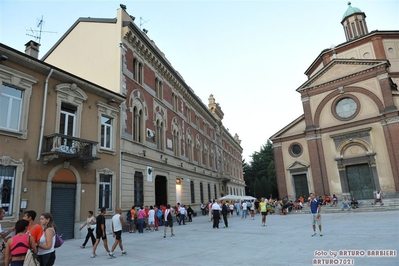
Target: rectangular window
[
  {"x": 106, "y": 132},
  {"x": 361, "y": 27},
  {"x": 201, "y": 193},
  {"x": 175, "y": 102},
  {"x": 216, "y": 195},
  {"x": 67, "y": 119},
  {"x": 354, "y": 30},
  {"x": 138, "y": 189},
  {"x": 192, "y": 191},
  {"x": 7, "y": 180},
  {"x": 188, "y": 114},
  {"x": 105, "y": 191},
  {"x": 209, "y": 191},
  {"x": 197, "y": 124},
  {"x": 10, "y": 107}
]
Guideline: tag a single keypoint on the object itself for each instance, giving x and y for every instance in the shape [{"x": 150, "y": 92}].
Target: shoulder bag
[{"x": 31, "y": 258}]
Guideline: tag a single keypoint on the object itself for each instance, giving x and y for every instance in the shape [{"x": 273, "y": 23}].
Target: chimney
[{"x": 32, "y": 49}]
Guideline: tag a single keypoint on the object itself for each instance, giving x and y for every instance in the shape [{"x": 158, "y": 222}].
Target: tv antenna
[
  {"x": 142, "y": 22},
  {"x": 37, "y": 34}
]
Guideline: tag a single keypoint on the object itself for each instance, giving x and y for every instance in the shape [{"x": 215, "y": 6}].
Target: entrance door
[
  {"x": 138, "y": 189},
  {"x": 160, "y": 191},
  {"x": 360, "y": 181},
  {"x": 63, "y": 208},
  {"x": 301, "y": 186}
]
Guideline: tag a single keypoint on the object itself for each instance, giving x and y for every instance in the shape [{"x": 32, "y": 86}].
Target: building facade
[
  {"x": 59, "y": 141},
  {"x": 346, "y": 142},
  {"x": 173, "y": 148}
]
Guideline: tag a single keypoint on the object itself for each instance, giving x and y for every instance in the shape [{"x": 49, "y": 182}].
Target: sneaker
[
  {"x": 110, "y": 255},
  {"x": 321, "y": 234},
  {"x": 124, "y": 252},
  {"x": 82, "y": 246},
  {"x": 93, "y": 255},
  {"x": 164, "y": 236},
  {"x": 172, "y": 235},
  {"x": 314, "y": 234}
]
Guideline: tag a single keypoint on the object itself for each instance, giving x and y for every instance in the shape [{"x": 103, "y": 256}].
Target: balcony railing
[{"x": 68, "y": 147}]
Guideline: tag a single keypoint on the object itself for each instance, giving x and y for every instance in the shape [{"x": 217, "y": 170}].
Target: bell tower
[{"x": 354, "y": 23}]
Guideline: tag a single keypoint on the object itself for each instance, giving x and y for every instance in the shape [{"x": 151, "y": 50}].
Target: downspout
[{"x": 43, "y": 115}]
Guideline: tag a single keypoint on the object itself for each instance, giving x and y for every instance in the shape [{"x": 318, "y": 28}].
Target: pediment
[
  {"x": 339, "y": 69},
  {"x": 297, "y": 165}
]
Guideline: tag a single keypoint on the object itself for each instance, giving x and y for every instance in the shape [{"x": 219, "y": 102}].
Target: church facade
[{"x": 346, "y": 142}]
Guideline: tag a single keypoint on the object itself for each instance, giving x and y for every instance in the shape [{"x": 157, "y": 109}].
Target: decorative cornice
[
  {"x": 313, "y": 136},
  {"x": 391, "y": 120}
]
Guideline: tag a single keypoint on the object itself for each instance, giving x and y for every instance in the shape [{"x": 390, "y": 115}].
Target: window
[
  {"x": 138, "y": 189},
  {"x": 192, "y": 192},
  {"x": 362, "y": 27},
  {"x": 216, "y": 195},
  {"x": 345, "y": 108},
  {"x": 188, "y": 115},
  {"x": 209, "y": 191},
  {"x": 106, "y": 194},
  {"x": 197, "y": 123},
  {"x": 176, "y": 142},
  {"x": 205, "y": 129},
  {"x": 7, "y": 180},
  {"x": 105, "y": 189},
  {"x": 159, "y": 135},
  {"x": 108, "y": 123},
  {"x": 15, "y": 92},
  {"x": 158, "y": 89},
  {"x": 10, "y": 107},
  {"x": 354, "y": 29},
  {"x": 106, "y": 132},
  {"x": 201, "y": 193},
  {"x": 138, "y": 71},
  {"x": 137, "y": 124},
  {"x": 175, "y": 102},
  {"x": 67, "y": 119},
  {"x": 190, "y": 149}
]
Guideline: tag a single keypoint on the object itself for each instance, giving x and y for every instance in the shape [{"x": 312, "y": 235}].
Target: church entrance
[
  {"x": 301, "y": 186},
  {"x": 360, "y": 181},
  {"x": 160, "y": 190}
]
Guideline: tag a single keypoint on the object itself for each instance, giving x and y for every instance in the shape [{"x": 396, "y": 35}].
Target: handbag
[
  {"x": 58, "y": 241},
  {"x": 31, "y": 258}
]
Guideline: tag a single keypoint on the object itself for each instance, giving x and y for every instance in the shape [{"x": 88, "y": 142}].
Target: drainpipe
[{"x": 43, "y": 115}]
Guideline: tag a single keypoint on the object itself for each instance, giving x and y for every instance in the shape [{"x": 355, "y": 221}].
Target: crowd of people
[{"x": 28, "y": 236}]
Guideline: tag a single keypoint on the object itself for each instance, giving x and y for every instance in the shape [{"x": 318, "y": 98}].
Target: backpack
[
  {"x": 159, "y": 213},
  {"x": 128, "y": 216}
]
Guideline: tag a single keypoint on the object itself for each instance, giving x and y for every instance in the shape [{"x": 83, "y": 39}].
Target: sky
[{"x": 251, "y": 55}]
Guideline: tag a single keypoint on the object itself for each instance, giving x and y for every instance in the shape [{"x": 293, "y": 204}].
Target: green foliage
[{"x": 260, "y": 173}]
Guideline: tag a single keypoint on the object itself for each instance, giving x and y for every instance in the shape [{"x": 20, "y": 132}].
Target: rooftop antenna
[
  {"x": 37, "y": 34},
  {"x": 142, "y": 22}
]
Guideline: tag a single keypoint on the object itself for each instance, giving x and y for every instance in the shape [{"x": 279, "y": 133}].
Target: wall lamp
[
  {"x": 143, "y": 153},
  {"x": 161, "y": 156},
  {"x": 181, "y": 164},
  {"x": 166, "y": 160}
]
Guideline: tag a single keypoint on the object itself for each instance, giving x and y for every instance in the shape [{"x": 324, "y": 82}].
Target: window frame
[
  {"x": 112, "y": 174},
  {"x": 110, "y": 112},
  {"x": 192, "y": 191},
  {"x": 24, "y": 82}
]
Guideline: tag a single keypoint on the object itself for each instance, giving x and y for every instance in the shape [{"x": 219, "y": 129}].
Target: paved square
[{"x": 285, "y": 241}]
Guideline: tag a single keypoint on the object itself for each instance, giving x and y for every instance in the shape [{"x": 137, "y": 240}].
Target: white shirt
[
  {"x": 42, "y": 241},
  {"x": 244, "y": 206},
  {"x": 117, "y": 222},
  {"x": 231, "y": 206},
  {"x": 182, "y": 210},
  {"x": 89, "y": 222},
  {"x": 216, "y": 207},
  {"x": 151, "y": 215}
]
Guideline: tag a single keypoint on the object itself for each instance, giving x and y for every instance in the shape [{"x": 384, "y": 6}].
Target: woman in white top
[{"x": 46, "y": 250}]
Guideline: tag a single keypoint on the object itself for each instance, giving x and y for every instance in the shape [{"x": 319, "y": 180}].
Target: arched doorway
[
  {"x": 63, "y": 197},
  {"x": 161, "y": 197}
]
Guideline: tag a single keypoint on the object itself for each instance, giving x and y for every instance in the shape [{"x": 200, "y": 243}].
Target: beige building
[
  {"x": 346, "y": 142},
  {"x": 173, "y": 147},
  {"x": 59, "y": 138}
]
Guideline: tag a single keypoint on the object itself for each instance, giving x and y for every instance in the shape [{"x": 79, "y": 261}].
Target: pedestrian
[
  {"x": 210, "y": 210},
  {"x": 3, "y": 235},
  {"x": 252, "y": 209},
  {"x": 132, "y": 226},
  {"x": 315, "y": 208},
  {"x": 182, "y": 211},
  {"x": 46, "y": 249},
  {"x": 244, "y": 209},
  {"x": 141, "y": 217},
  {"x": 263, "y": 210},
  {"x": 101, "y": 233},
  {"x": 18, "y": 245},
  {"x": 190, "y": 213},
  {"x": 378, "y": 198},
  {"x": 231, "y": 207},
  {"x": 238, "y": 208},
  {"x": 151, "y": 219},
  {"x": 345, "y": 204},
  {"x": 225, "y": 212},
  {"x": 216, "y": 213},
  {"x": 90, "y": 224},
  {"x": 168, "y": 220},
  {"x": 34, "y": 229},
  {"x": 117, "y": 226}
]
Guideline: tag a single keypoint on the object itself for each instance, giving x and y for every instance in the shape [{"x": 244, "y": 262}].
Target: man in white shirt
[
  {"x": 216, "y": 213},
  {"x": 117, "y": 223},
  {"x": 244, "y": 209},
  {"x": 151, "y": 219},
  {"x": 183, "y": 214}
]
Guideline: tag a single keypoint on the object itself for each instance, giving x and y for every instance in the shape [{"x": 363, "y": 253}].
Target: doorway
[
  {"x": 301, "y": 185},
  {"x": 360, "y": 182},
  {"x": 63, "y": 208},
  {"x": 160, "y": 190}
]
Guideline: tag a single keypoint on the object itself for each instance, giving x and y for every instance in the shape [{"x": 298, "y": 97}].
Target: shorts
[
  {"x": 314, "y": 220},
  {"x": 378, "y": 200},
  {"x": 264, "y": 213},
  {"x": 151, "y": 221},
  {"x": 118, "y": 235},
  {"x": 169, "y": 223},
  {"x": 132, "y": 223},
  {"x": 99, "y": 234}
]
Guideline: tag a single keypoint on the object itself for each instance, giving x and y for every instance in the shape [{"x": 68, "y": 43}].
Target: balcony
[{"x": 68, "y": 147}]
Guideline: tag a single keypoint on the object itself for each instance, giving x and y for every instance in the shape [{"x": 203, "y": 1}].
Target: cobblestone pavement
[{"x": 367, "y": 238}]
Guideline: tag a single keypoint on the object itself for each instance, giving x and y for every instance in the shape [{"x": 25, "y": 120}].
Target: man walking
[
  {"x": 216, "y": 213},
  {"x": 225, "y": 211},
  {"x": 168, "y": 221},
  {"x": 315, "y": 208},
  {"x": 90, "y": 222},
  {"x": 101, "y": 234},
  {"x": 117, "y": 223}
]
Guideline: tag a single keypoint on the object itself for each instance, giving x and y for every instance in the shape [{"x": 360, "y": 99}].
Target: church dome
[{"x": 351, "y": 10}]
